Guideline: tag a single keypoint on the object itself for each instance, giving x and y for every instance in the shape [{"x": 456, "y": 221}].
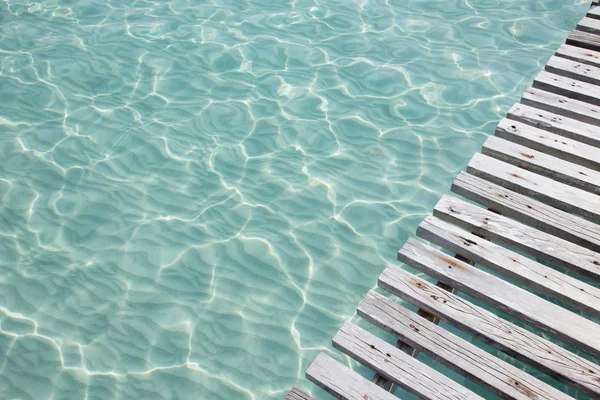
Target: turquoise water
[{"x": 195, "y": 194}]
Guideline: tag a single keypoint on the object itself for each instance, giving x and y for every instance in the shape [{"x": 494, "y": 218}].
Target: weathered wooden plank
[
  {"x": 538, "y": 277},
  {"x": 549, "y": 143},
  {"x": 457, "y": 354},
  {"x": 543, "y": 164},
  {"x": 297, "y": 394},
  {"x": 562, "y": 105},
  {"x": 398, "y": 367},
  {"x": 529, "y": 211},
  {"x": 584, "y": 40},
  {"x": 505, "y": 336},
  {"x": 590, "y": 25},
  {"x": 573, "y": 70},
  {"x": 549, "y": 318},
  {"x": 343, "y": 383},
  {"x": 544, "y": 189},
  {"x": 578, "y": 54},
  {"x": 572, "y": 88},
  {"x": 554, "y": 123},
  {"x": 594, "y": 12},
  {"x": 521, "y": 237}
]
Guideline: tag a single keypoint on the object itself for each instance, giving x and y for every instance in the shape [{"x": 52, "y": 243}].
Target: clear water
[{"x": 195, "y": 194}]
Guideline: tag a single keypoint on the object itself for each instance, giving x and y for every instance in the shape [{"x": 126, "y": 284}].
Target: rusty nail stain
[
  {"x": 517, "y": 176},
  {"x": 527, "y": 155},
  {"x": 373, "y": 347},
  {"x": 450, "y": 261}
]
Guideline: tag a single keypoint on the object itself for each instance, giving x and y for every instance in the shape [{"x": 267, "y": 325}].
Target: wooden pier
[{"x": 529, "y": 226}]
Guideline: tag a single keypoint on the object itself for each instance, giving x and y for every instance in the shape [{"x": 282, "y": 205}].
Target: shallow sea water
[{"x": 194, "y": 195}]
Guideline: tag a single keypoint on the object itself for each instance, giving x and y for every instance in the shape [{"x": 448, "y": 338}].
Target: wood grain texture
[
  {"x": 544, "y": 189},
  {"x": 538, "y": 277},
  {"x": 342, "y": 382},
  {"x": 398, "y": 367},
  {"x": 573, "y": 70},
  {"x": 543, "y": 164},
  {"x": 455, "y": 353},
  {"x": 569, "y": 87},
  {"x": 554, "y": 123},
  {"x": 549, "y": 318},
  {"x": 594, "y": 12},
  {"x": 549, "y": 143},
  {"x": 590, "y": 25},
  {"x": 584, "y": 40},
  {"x": 504, "y": 335},
  {"x": 578, "y": 54},
  {"x": 562, "y": 105},
  {"x": 529, "y": 211},
  {"x": 521, "y": 237},
  {"x": 297, "y": 394}
]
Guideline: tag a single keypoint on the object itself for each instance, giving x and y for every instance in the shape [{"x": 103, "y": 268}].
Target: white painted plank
[
  {"x": 585, "y": 56},
  {"x": 502, "y": 334},
  {"x": 562, "y": 105},
  {"x": 549, "y": 318},
  {"x": 536, "y": 276},
  {"x": 549, "y": 143},
  {"x": 297, "y": 394},
  {"x": 543, "y": 164},
  {"x": 584, "y": 40},
  {"x": 496, "y": 375},
  {"x": 544, "y": 189},
  {"x": 571, "y": 88},
  {"x": 529, "y": 211},
  {"x": 398, "y": 367},
  {"x": 590, "y": 25},
  {"x": 521, "y": 237},
  {"x": 343, "y": 383},
  {"x": 573, "y": 70}
]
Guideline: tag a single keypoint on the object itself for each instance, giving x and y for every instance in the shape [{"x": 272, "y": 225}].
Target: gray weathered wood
[
  {"x": 521, "y": 237},
  {"x": 554, "y": 123},
  {"x": 533, "y": 185},
  {"x": 562, "y": 105},
  {"x": 572, "y": 88},
  {"x": 543, "y": 164},
  {"x": 529, "y": 211},
  {"x": 343, "y": 383},
  {"x": 550, "y": 318},
  {"x": 549, "y": 143},
  {"x": 398, "y": 367},
  {"x": 585, "y": 40},
  {"x": 590, "y": 25},
  {"x": 502, "y": 334},
  {"x": 573, "y": 70},
  {"x": 578, "y": 54},
  {"x": 494, "y": 374},
  {"x": 594, "y": 12},
  {"x": 297, "y": 394},
  {"x": 538, "y": 277}
]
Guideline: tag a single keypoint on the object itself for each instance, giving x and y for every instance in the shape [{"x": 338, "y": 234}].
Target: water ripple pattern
[{"x": 195, "y": 194}]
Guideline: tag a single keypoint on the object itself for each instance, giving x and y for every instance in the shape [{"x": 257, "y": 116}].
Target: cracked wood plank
[
  {"x": 544, "y": 189},
  {"x": 562, "y": 105},
  {"x": 297, "y": 394},
  {"x": 521, "y": 269},
  {"x": 564, "y": 325},
  {"x": 553, "y": 123},
  {"x": 518, "y": 342},
  {"x": 578, "y": 54},
  {"x": 549, "y": 143},
  {"x": 521, "y": 237},
  {"x": 342, "y": 382},
  {"x": 543, "y": 164},
  {"x": 569, "y": 87},
  {"x": 494, "y": 374},
  {"x": 396, "y": 366}
]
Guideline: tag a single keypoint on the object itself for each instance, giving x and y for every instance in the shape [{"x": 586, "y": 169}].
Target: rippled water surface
[{"x": 195, "y": 194}]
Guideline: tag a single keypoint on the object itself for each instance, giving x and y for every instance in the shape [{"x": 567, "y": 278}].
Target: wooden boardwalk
[{"x": 530, "y": 228}]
